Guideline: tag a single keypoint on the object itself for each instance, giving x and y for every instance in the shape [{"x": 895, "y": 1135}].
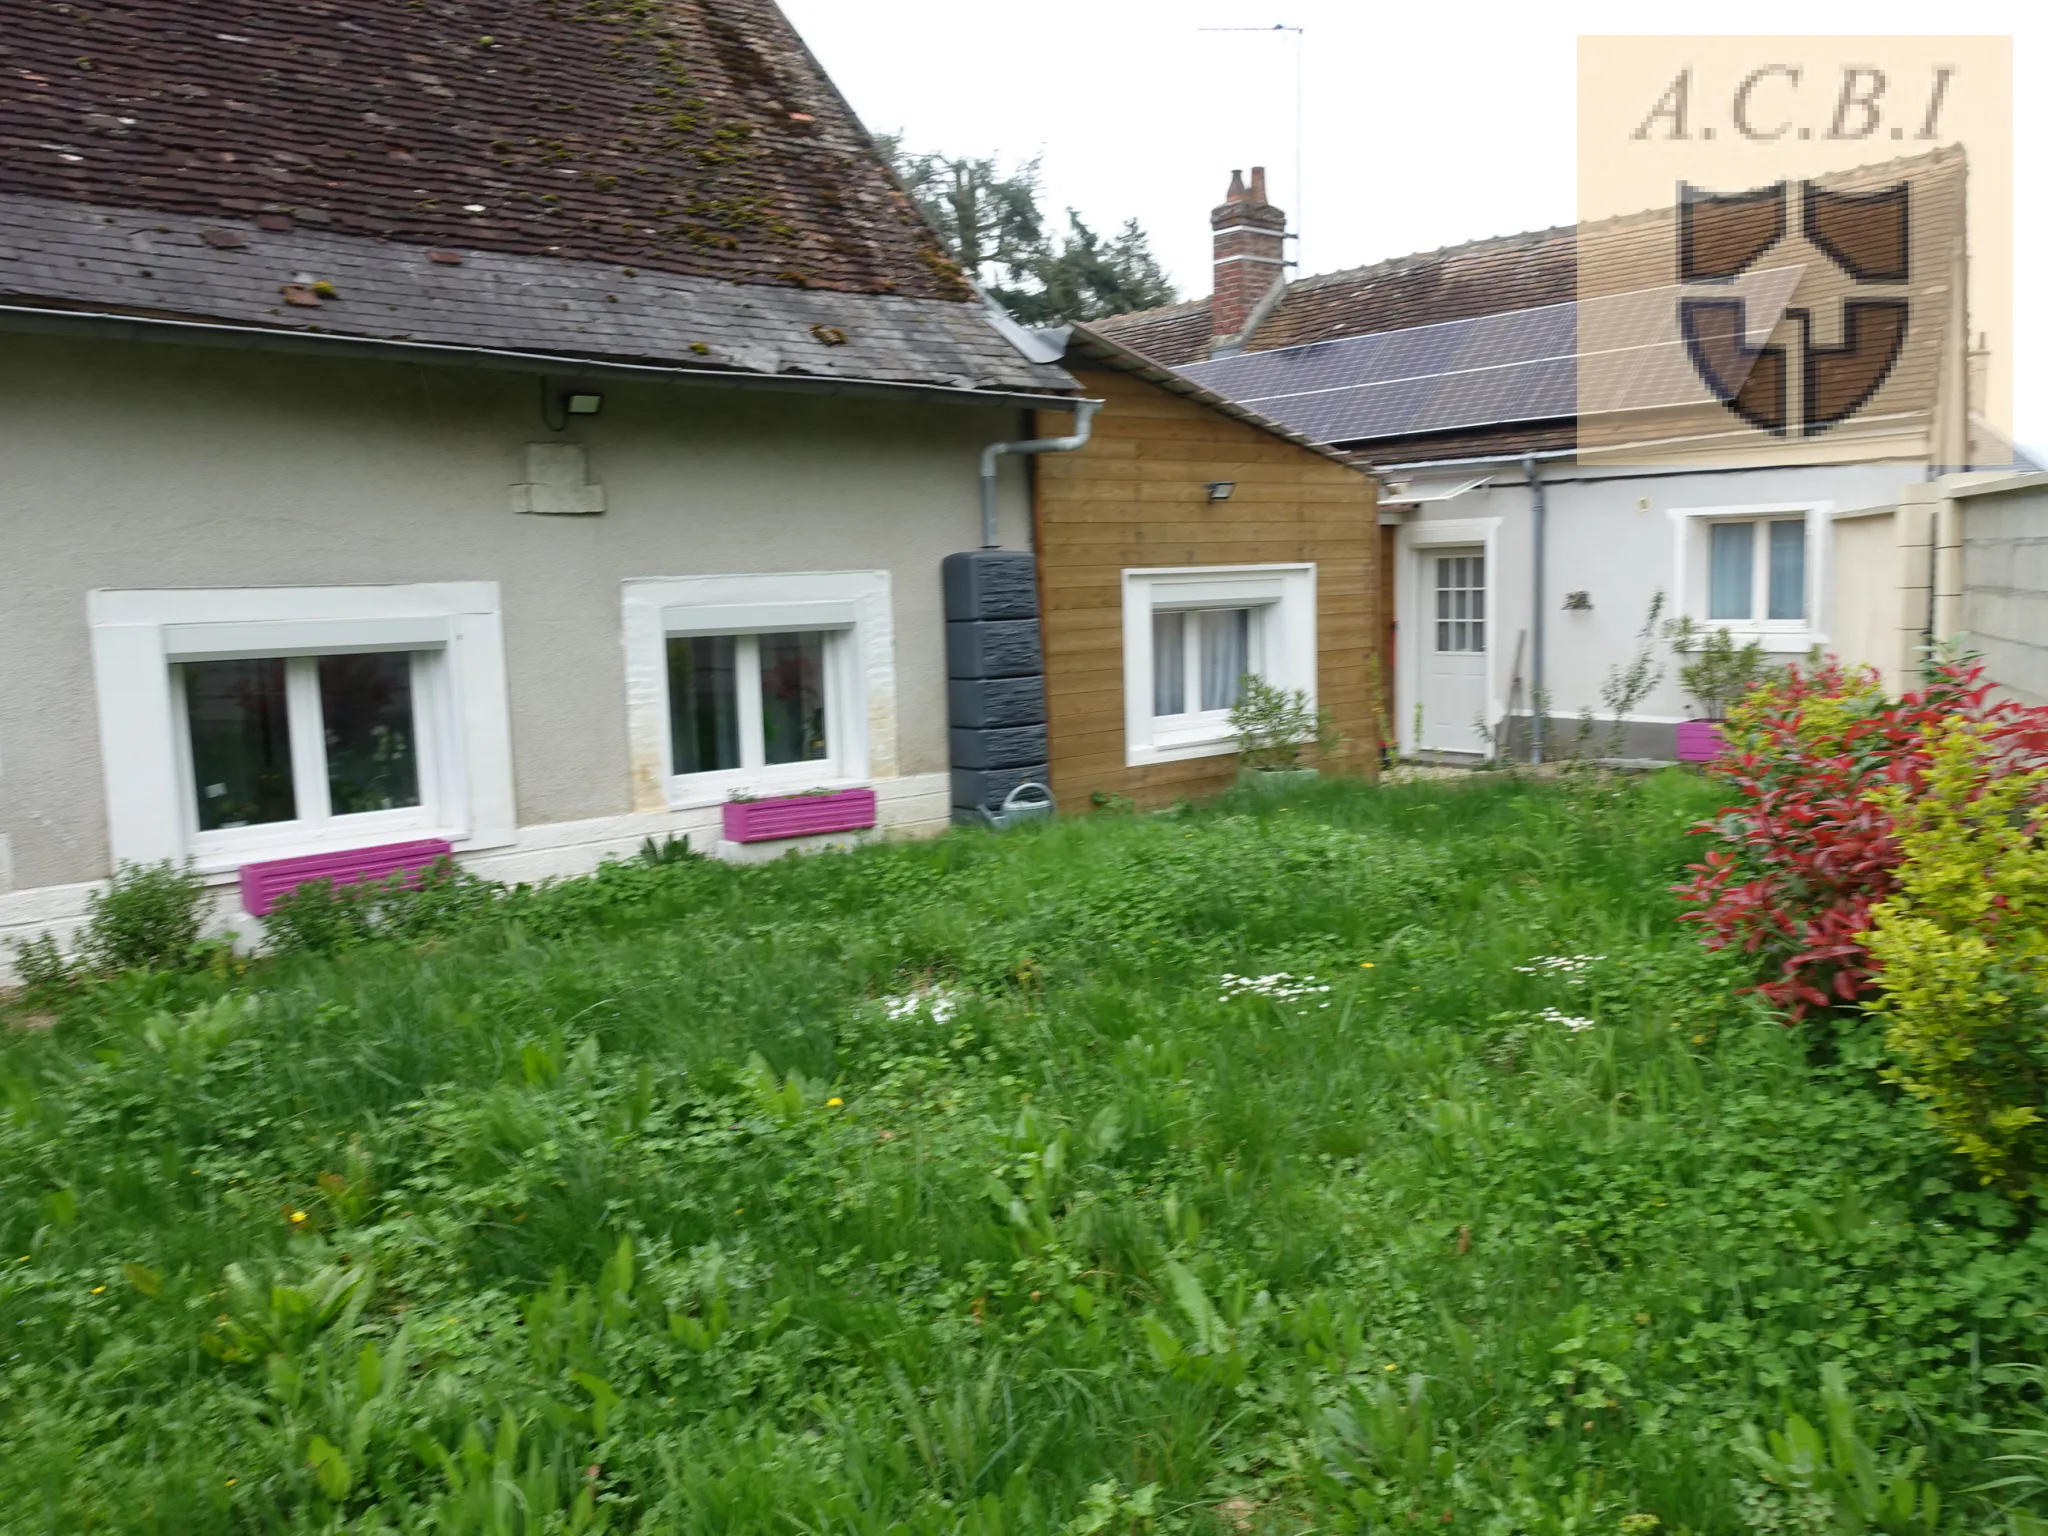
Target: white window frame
[
  {"x": 1282, "y": 648},
  {"x": 316, "y": 825},
  {"x": 1692, "y": 562},
  {"x": 852, "y": 608},
  {"x": 140, "y": 639},
  {"x": 1193, "y": 723}
]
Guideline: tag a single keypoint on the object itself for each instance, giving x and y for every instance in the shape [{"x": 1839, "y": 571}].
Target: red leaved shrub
[{"x": 1802, "y": 854}]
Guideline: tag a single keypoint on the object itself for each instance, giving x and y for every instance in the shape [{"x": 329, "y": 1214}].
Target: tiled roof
[
  {"x": 63, "y": 256},
  {"x": 620, "y": 177},
  {"x": 1173, "y": 334},
  {"x": 1513, "y": 273},
  {"x": 689, "y": 136},
  {"x": 1485, "y": 277}
]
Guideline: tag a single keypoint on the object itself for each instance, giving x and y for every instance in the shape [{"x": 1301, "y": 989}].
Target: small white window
[
  {"x": 249, "y": 723},
  {"x": 761, "y": 705},
  {"x": 1199, "y": 660},
  {"x": 1192, "y": 636},
  {"x": 1755, "y": 571},
  {"x": 756, "y": 683}
]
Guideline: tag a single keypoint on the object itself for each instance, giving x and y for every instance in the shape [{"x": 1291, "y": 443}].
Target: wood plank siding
[{"x": 1136, "y": 497}]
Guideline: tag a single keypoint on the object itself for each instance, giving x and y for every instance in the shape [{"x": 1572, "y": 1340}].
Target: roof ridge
[
  {"x": 1462, "y": 247},
  {"x": 1157, "y": 309},
  {"x": 1481, "y": 243}
]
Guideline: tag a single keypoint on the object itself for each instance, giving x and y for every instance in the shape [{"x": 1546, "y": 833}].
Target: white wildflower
[
  {"x": 940, "y": 1003},
  {"x": 1571, "y": 969},
  {"x": 1281, "y": 987},
  {"x": 1570, "y": 1021}
]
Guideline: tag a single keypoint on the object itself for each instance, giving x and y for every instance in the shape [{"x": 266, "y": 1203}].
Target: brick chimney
[{"x": 1250, "y": 256}]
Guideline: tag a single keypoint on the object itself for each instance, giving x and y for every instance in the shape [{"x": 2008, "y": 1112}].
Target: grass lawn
[{"x": 1003, "y": 1185}]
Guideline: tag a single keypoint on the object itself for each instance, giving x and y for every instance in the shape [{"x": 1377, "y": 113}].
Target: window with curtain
[
  {"x": 748, "y": 701},
  {"x": 1192, "y": 635},
  {"x": 1199, "y": 660},
  {"x": 1756, "y": 570}
]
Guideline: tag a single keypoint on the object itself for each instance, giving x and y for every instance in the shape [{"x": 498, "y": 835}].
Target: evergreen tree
[{"x": 991, "y": 220}]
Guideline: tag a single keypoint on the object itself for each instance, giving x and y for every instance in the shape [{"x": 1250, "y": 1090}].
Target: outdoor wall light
[
  {"x": 584, "y": 405},
  {"x": 1219, "y": 490}
]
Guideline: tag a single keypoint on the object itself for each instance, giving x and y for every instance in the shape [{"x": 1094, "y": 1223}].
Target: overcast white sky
[{"x": 1423, "y": 124}]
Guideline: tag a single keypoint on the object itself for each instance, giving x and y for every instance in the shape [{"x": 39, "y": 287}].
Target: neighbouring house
[
  {"x": 1189, "y": 542},
  {"x": 511, "y": 437},
  {"x": 1750, "y": 417},
  {"x": 518, "y": 444}
]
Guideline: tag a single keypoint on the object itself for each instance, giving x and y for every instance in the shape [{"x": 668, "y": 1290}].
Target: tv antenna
[{"x": 1300, "y": 196}]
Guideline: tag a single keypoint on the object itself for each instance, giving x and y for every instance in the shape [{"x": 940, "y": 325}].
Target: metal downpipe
[
  {"x": 1539, "y": 701},
  {"x": 1084, "y": 417}
]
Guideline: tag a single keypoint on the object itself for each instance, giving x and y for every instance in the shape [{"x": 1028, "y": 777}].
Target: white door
[{"x": 1452, "y": 646}]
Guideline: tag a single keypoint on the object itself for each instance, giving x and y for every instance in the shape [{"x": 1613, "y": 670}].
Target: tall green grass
[{"x": 945, "y": 1188}]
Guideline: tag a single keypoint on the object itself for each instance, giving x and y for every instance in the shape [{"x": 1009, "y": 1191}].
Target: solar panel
[{"x": 1611, "y": 353}]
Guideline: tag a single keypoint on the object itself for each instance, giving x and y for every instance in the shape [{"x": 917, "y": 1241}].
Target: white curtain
[
  {"x": 1226, "y": 654},
  {"x": 1169, "y": 663}
]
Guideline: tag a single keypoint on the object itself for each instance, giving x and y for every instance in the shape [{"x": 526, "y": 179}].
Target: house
[
  {"x": 520, "y": 444},
  {"x": 1577, "y": 424},
  {"x": 515, "y": 441},
  {"x": 1190, "y": 541}
]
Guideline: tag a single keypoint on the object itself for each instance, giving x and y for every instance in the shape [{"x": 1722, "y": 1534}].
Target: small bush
[
  {"x": 1274, "y": 725},
  {"x": 1963, "y": 947},
  {"x": 147, "y": 918},
  {"x": 1807, "y": 846},
  {"x": 42, "y": 966},
  {"x": 1720, "y": 673},
  {"x": 670, "y": 850},
  {"x": 321, "y": 917}
]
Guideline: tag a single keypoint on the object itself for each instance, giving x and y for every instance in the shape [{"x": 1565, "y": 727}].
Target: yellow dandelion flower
[
  {"x": 1365, "y": 965},
  {"x": 834, "y": 1103},
  {"x": 230, "y": 1482},
  {"x": 297, "y": 1217},
  {"x": 97, "y": 1289}
]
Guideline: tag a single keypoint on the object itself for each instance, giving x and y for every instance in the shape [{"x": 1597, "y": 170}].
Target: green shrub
[
  {"x": 1721, "y": 673},
  {"x": 147, "y": 918},
  {"x": 321, "y": 917},
  {"x": 1963, "y": 953},
  {"x": 42, "y": 966},
  {"x": 1273, "y": 725}
]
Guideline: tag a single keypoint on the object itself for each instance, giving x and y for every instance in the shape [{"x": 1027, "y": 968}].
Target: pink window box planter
[
  {"x": 1699, "y": 741},
  {"x": 265, "y": 883},
  {"x": 761, "y": 821}
]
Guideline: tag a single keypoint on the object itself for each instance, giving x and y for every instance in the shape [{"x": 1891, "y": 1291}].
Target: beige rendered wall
[
  {"x": 143, "y": 465},
  {"x": 1863, "y": 628}
]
